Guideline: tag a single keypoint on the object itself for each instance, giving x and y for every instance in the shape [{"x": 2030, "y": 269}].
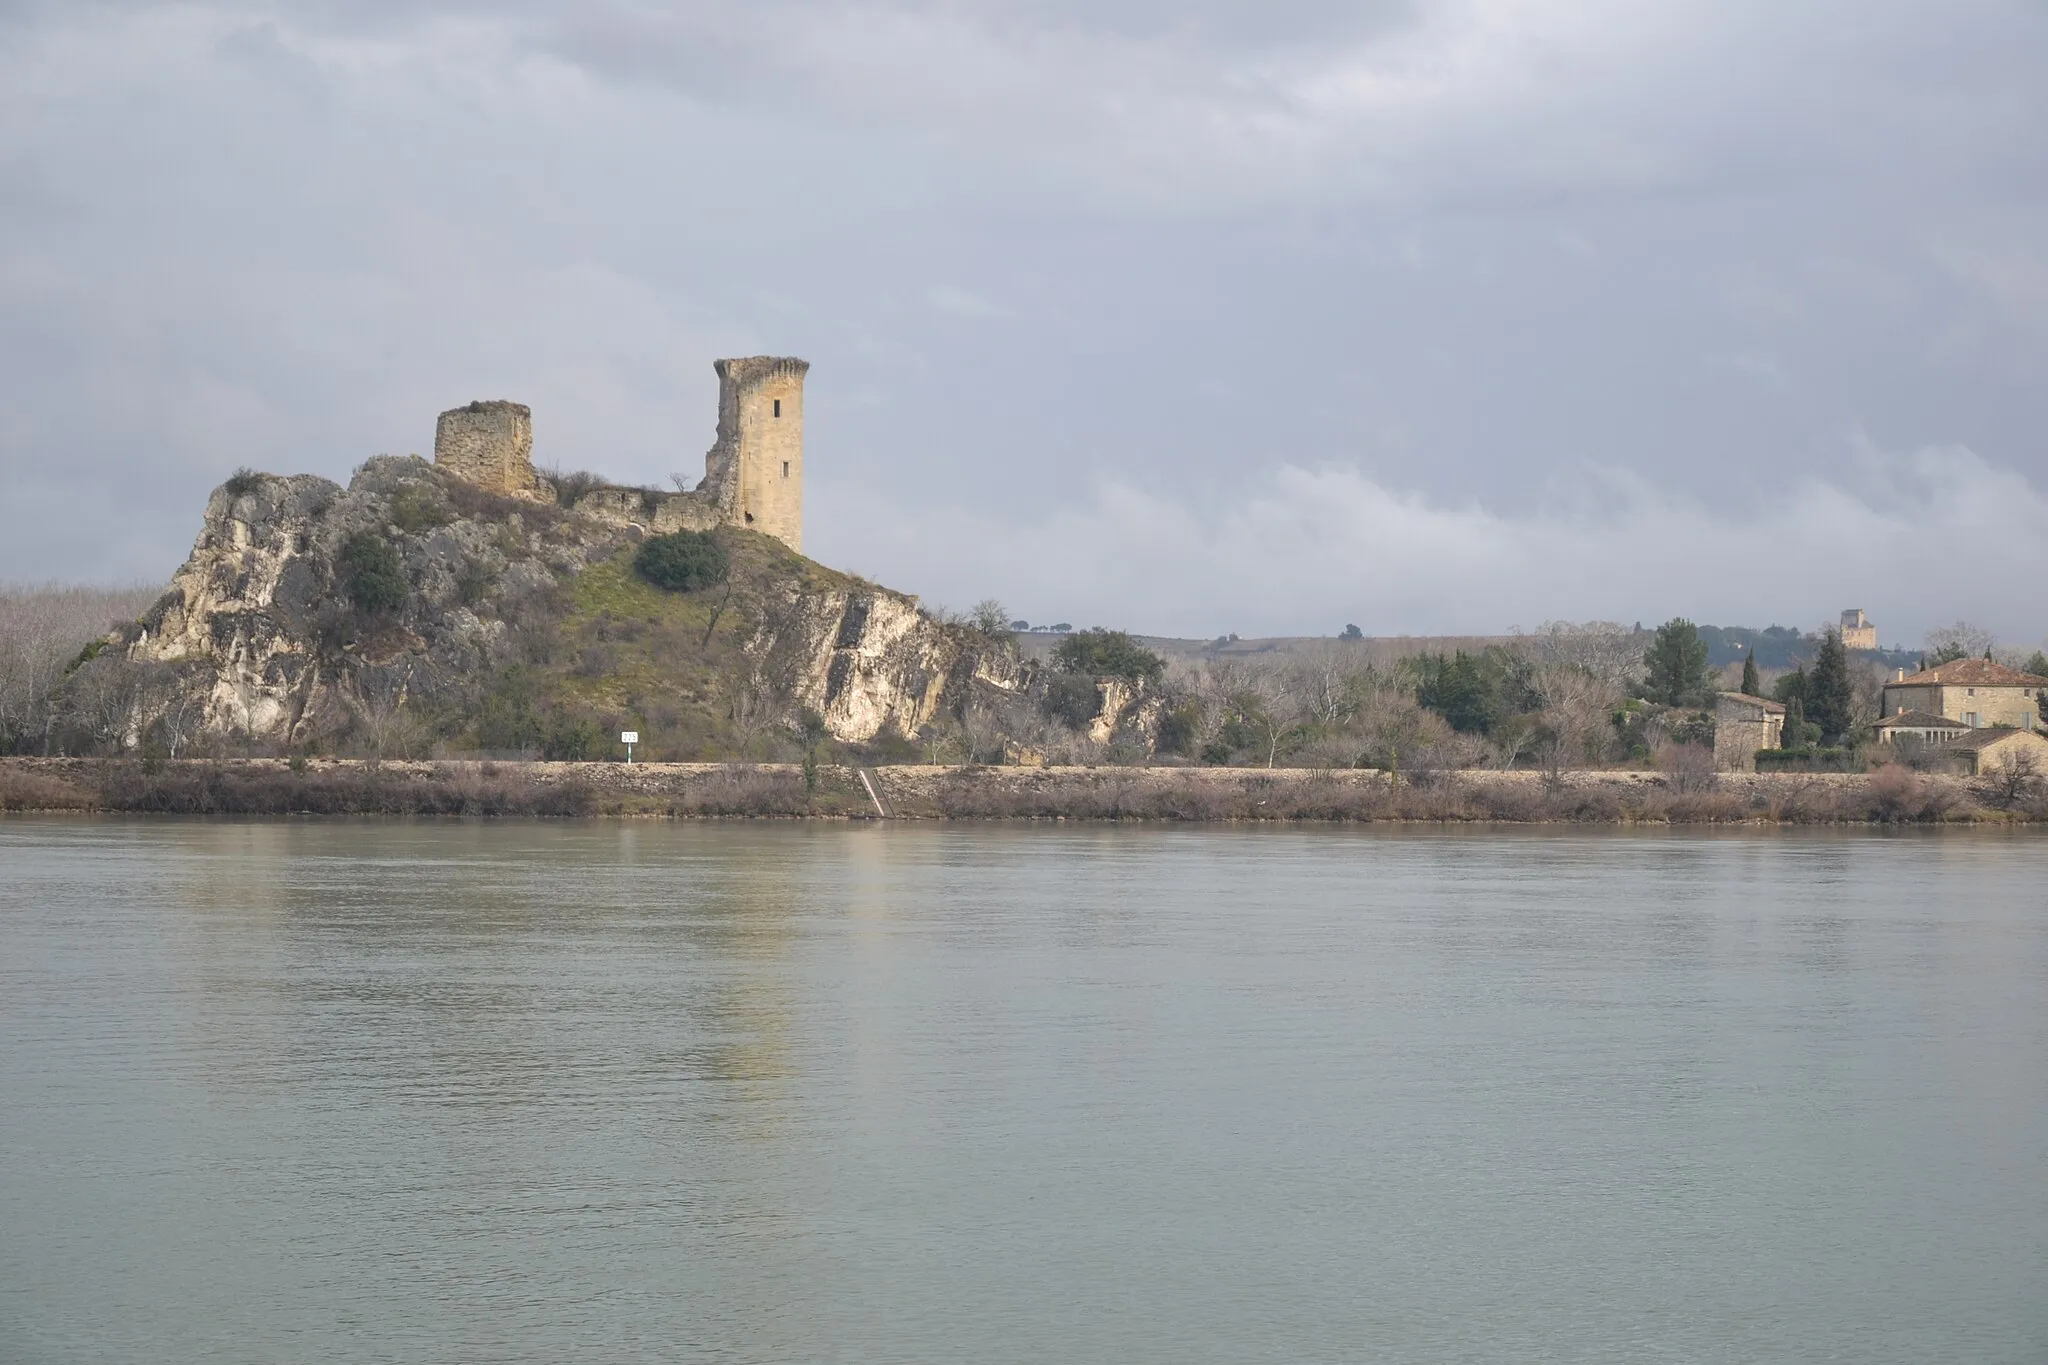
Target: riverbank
[{"x": 687, "y": 790}]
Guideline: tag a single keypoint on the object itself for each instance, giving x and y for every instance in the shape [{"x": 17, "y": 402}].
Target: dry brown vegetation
[
  {"x": 1892, "y": 795},
  {"x": 43, "y": 627},
  {"x": 231, "y": 788},
  {"x": 1113, "y": 794}
]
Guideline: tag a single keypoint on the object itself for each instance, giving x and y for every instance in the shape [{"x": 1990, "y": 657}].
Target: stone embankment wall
[{"x": 266, "y": 786}]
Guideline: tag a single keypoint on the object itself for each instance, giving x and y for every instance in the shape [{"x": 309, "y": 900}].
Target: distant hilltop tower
[
  {"x": 489, "y": 444},
  {"x": 1857, "y": 632},
  {"x": 755, "y": 469}
]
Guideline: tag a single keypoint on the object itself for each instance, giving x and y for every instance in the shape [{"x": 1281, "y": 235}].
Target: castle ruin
[
  {"x": 489, "y": 444},
  {"x": 753, "y": 473}
]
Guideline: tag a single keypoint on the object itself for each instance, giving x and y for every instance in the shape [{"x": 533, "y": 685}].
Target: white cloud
[{"x": 1918, "y": 540}]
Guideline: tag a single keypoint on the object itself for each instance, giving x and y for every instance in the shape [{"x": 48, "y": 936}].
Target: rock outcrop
[{"x": 523, "y": 628}]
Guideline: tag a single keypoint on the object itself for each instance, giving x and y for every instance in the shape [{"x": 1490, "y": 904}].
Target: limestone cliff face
[
  {"x": 876, "y": 663},
  {"x": 256, "y": 624},
  {"x": 258, "y": 638}
]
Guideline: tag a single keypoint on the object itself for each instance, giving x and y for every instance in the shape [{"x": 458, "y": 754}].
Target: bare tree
[
  {"x": 753, "y": 704},
  {"x": 1324, "y": 679},
  {"x": 1607, "y": 655},
  {"x": 102, "y": 701},
  {"x": 1688, "y": 767},
  {"x": 991, "y": 618},
  {"x": 2015, "y": 782},
  {"x": 1582, "y": 672},
  {"x": 1959, "y": 641},
  {"x": 42, "y": 630},
  {"x": 180, "y": 712},
  {"x": 980, "y": 729},
  {"x": 379, "y": 702},
  {"x": 1271, "y": 703}
]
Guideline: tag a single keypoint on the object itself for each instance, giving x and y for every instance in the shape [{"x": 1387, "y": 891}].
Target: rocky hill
[{"x": 502, "y": 623}]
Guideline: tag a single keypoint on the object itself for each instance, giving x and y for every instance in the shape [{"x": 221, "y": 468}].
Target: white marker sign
[{"x": 629, "y": 737}]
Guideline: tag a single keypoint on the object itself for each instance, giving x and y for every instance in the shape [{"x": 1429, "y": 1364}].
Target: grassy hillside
[{"x": 617, "y": 653}]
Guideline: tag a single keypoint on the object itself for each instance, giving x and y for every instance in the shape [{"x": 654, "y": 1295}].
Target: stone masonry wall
[
  {"x": 489, "y": 444},
  {"x": 1736, "y": 743},
  {"x": 2014, "y": 706},
  {"x": 754, "y": 471}
]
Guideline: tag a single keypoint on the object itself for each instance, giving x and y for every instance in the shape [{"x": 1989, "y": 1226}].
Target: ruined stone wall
[
  {"x": 489, "y": 444},
  {"x": 754, "y": 471},
  {"x": 649, "y": 510}
]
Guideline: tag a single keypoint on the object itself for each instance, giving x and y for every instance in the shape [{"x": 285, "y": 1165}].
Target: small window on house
[
  {"x": 785, "y": 469},
  {"x": 778, "y": 407}
]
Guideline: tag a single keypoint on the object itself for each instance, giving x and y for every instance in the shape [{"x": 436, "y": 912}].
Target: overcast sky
[{"x": 1181, "y": 315}]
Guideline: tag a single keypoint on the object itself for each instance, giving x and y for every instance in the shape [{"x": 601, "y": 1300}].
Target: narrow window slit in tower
[
  {"x": 785, "y": 469},
  {"x": 778, "y": 407}
]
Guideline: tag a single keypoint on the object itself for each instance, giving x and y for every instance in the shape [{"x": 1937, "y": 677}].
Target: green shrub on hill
[
  {"x": 683, "y": 561},
  {"x": 243, "y": 482},
  {"x": 1072, "y": 700},
  {"x": 415, "y": 509},
  {"x": 1474, "y": 692},
  {"x": 375, "y": 579},
  {"x": 1099, "y": 653}
]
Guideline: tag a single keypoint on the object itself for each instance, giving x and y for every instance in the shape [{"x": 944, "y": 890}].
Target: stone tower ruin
[
  {"x": 489, "y": 444},
  {"x": 754, "y": 471}
]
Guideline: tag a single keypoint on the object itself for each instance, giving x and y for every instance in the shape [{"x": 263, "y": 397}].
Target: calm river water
[{"x": 503, "y": 1092}]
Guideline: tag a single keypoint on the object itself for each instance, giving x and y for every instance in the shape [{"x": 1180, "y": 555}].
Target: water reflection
[{"x": 742, "y": 1092}]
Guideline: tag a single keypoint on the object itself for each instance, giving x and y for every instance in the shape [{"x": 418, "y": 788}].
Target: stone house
[
  {"x": 1998, "y": 748},
  {"x": 1742, "y": 725},
  {"x": 1921, "y": 726},
  {"x": 1977, "y": 692}
]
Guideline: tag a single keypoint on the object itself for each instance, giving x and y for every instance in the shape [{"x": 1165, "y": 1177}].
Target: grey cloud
[{"x": 1467, "y": 252}]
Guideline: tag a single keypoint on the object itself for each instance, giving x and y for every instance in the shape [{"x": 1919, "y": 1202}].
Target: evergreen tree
[
  {"x": 1795, "y": 725},
  {"x": 1828, "y": 694},
  {"x": 374, "y": 576},
  {"x": 1677, "y": 664},
  {"x": 1458, "y": 690},
  {"x": 1751, "y": 685},
  {"x": 2038, "y": 665},
  {"x": 1790, "y": 687}
]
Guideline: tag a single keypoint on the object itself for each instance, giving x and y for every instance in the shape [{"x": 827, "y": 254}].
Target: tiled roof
[
  {"x": 1765, "y": 702},
  {"x": 1920, "y": 720},
  {"x": 1985, "y": 738},
  {"x": 1970, "y": 673}
]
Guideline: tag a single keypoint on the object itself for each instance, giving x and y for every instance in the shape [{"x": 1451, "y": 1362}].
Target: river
[{"x": 613, "y": 1091}]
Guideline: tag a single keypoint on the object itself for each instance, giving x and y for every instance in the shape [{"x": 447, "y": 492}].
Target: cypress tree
[
  {"x": 1751, "y": 685},
  {"x": 1828, "y": 694},
  {"x": 1795, "y": 725}
]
